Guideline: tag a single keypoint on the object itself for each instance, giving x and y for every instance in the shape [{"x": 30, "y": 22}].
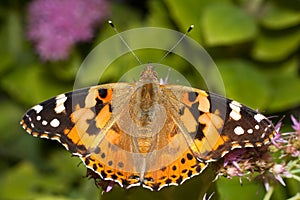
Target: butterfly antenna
[
  {"x": 183, "y": 36},
  {"x": 126, "y": 44}
]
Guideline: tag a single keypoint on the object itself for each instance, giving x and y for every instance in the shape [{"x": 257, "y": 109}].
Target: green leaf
[
  {"x": 15, "y": 185},
  {"x": 69, "y": 171},
  {"x": 226, "y": 24},
  {"x": 279, "y": 17},
  {"x": 31, "y": 84},
  {"x": 232, "y": 189},
  {"x": 10, "y": 39},
  {"x": 10, "y": 112},
  {"x": 56, "y": 197},
  {"x": 185, "y": 13},
  {"x": 272, "y": 48},
  {"x": 285, "y": 93},
  {"x": 293, "y": 186},
  {"x": 23, "y": 181},
  {"x": 133, "y": 17},
  {"x": 14, "y": 32},
  {"x": 244, "y": 83},
  {"x": 66, "y": 70},
  {"x": 285, "y": 86},
  {"x": 157, "y": 15},
  {"x": 10, "y": 129}
]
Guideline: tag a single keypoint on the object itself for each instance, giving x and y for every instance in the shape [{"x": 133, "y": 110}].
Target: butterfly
[{"x": 146, "y": 133}]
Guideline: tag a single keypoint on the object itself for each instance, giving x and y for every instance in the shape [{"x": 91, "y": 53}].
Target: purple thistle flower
[
  {"x": 280, "y": 170},
  {"x": 55, "y": 25},
  {"x": 234, "y": 171},
  {"x": 296, "y": 124},
  {"x": 105, "y": 185},
  {"x": 287, "y": 142},
  {"x": 278, "y": 139},
  {"x": 293, "y": 151},
  {"x": 266, "y": 184},
  {"x": 234, "y": 157}
]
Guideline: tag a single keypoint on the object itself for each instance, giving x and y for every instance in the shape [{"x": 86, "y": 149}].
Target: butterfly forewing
[{"x": 214, "y": 125}]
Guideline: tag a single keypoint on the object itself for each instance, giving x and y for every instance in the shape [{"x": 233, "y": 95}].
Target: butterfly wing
[
  {"x": 192, "y": 127},
  {"x": 83, "y": 122},
  {"x": 214, "y": 125}
]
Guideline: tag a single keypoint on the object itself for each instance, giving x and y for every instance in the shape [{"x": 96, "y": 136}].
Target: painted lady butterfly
[{"x": 147, "y": 133}]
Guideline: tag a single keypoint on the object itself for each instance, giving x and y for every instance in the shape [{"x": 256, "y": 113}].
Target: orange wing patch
[{"x": 175, "y": 173}]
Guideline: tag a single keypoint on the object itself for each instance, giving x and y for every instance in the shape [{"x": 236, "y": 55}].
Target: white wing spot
[
  {"x": 60, "y": 100},
  {"x": 38, "y": 108},
  {"x": 235, "y": 115},
  {"x": 239, "y": 130},
  {"x": 55, "y": 123},
  {"x": 38, "y": 118},
  {"x": 250, "y": 131},
  {"x": 256, "y": 127},
  {"x": 44, "y": 122},
  {"x": 236, "y": 109},
  {"x": 236, "y": 103},
  {"x": 258, "y": 117}
]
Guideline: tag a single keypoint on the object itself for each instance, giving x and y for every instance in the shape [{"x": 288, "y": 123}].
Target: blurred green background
[{"x": 254, "y": 43}]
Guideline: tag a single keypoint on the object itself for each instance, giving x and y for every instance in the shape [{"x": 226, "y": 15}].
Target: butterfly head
[{"x": 149, "y": 75}]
